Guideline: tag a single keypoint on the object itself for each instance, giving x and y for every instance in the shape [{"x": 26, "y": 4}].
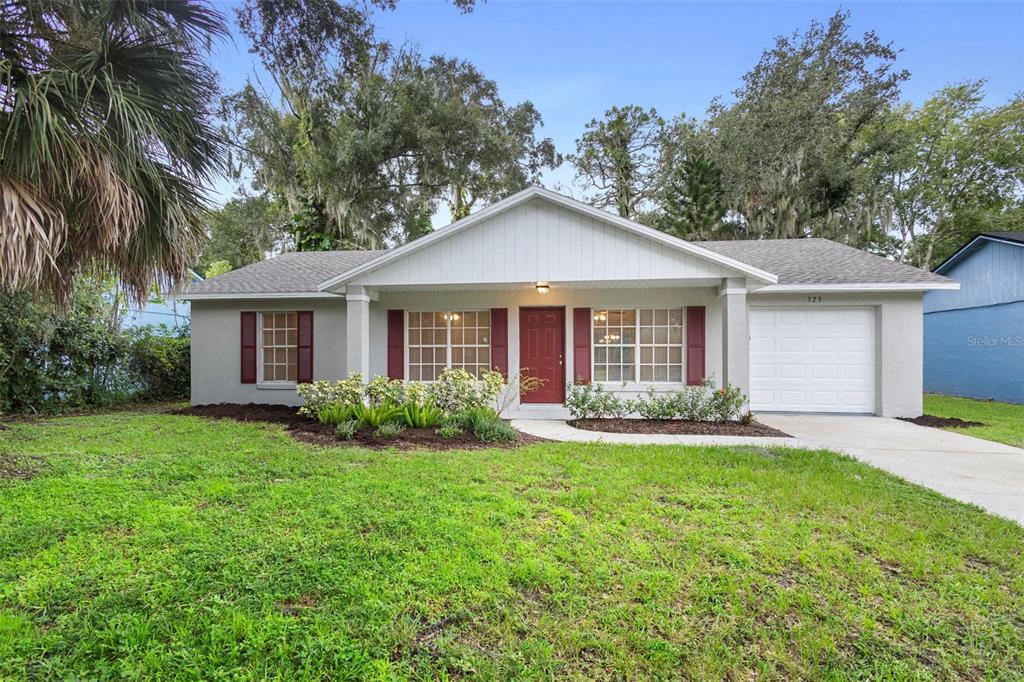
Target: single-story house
[
  {"x": 974, "y": 336},
  {"x": 561, "y": 290}
]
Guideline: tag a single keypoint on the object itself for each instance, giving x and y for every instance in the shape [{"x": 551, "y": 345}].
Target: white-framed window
[
  {"x": 447, "y": 338},
  {"x": 279, "y": 347},
  {"x": 639, "y": 345}
]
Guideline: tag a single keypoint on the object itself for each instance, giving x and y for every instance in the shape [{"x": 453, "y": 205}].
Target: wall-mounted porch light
[{"x": 543, "y": 287}]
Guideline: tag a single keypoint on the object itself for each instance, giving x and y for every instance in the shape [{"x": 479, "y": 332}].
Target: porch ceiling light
[{"x": 543, "y": 287}]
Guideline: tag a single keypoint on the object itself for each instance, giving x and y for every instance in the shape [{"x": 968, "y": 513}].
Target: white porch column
[
  {"x": 735, "y": 334},
  {"x": 357, "y": 331}
]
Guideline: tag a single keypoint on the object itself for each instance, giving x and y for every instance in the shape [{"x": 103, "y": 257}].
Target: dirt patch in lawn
[
  {"x": 309, "y": 431},
  {"x": 15, "y": 467},
  {"x": 940, "y": 422},
  {"x": 678, "y": 426}
]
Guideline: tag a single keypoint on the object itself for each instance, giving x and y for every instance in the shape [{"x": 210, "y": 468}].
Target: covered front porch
[{"x": 635, "y": 334}]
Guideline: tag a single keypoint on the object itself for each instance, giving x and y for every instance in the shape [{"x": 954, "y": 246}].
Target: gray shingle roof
[
  {"x": 820, "y": 261},
  {"x": 289, "y": 273},
  {"x": 795, "y": 261}
]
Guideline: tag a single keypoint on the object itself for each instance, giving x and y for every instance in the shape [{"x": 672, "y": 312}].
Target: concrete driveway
[{"x": 988, "y": 474}]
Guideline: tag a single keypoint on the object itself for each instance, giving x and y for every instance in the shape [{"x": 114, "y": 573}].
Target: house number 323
[{"x": 814, "y": 299}]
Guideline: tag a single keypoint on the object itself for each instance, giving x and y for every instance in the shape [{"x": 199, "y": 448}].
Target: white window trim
[
  {"x": 260, "y": 382},
  {"x": 636, "y": 385},
  {"x": 448, "y": 335}
]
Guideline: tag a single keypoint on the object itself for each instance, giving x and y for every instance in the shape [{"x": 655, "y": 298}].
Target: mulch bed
[
  {"x": 309, "y": 431},
  {"x": 940, "y": 422},
  {"x": 677, "y": 426}
]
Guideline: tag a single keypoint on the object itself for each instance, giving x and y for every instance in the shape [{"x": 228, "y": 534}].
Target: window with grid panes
[
  {"x": 638, "y": 345},
  {"x": 451, "y": 338},
  {"x": 279, "y": 342}
]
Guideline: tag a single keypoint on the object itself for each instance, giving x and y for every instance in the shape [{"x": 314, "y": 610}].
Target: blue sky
[{"x": 573, "y": 60}]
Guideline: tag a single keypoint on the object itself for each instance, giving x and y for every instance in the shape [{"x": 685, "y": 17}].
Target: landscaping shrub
[
  {"x": 456, "y": 403},
  {"x": 55, "y": 359},
  {"x": 163, "y": 366},
  {"x": 422, "y": 416},
  {"x": 693, "y": 403},
  {"x": 384, "y": 391},
  {"x": 389, "y": 429},
  {"x": 369, "y": 415},
  {"x": 319, "y": 394},
  {"x": 593, "y": 401},
  {"x": 335, "y": 414},
  {"x": 656, "y": 405},
  {"x": 449, "y": 431},
  {"x": 727, "y": 403},
  {"x": 347, "y": 430},
  {"x": 497, "y": 431}
]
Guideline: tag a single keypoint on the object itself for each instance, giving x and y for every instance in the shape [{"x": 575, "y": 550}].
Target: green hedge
[{"x": 54, "y": 360}]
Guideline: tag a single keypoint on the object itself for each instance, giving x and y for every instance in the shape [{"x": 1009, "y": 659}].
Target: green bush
[
  {"x": 369, "y": 415},
  {"x": 422, "y": 416},
  {"x": 335, "y": 414},
  {"x": 54, "y": 359},
  {"x": 163, "y": 366},
  {"x": 389, "y": 429},
  {"x": 319, "y": 394},
  {"x": 497, "y": 431},
  {"x": 592, "y": 401},
  {"x": 347, "y": 430},
  {"x": 449, "y": 431}
]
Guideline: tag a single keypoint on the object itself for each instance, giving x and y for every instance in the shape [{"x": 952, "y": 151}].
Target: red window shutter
[
  {"x": 305, "y": 343},
  {"x": 248, "y": 337},
  {"x": 694, "y": 345},
  {"x": 581, "y": 345},
  {"x": 499, "y": 340},
  {"x": 396, "y": 344}
]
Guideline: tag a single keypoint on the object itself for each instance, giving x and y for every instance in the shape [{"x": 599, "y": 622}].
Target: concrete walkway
[
  {"x": 558, "y": 430},
  {"x": 981, "y": 472},
  {"x": 985, "y": 473}
]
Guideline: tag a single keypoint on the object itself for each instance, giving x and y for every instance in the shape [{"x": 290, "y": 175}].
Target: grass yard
[
  {"x": 157, "y": 546},
  {"x": 1004, "y": 422}
]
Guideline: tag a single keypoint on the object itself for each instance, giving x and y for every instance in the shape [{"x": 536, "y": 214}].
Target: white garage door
[{"x": 812, "y": 359}]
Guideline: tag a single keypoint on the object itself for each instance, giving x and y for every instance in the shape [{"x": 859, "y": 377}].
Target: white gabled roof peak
[{"x": 569, "y": 203}]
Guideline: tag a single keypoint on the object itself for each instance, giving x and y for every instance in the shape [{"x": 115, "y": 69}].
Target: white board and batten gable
[{"x": 538, "y": 235}]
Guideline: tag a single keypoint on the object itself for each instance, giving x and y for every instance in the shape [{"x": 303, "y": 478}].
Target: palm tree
[{"x": 106, "y": 140}]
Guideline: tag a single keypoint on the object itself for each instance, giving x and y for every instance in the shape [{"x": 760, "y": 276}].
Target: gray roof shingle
[
  {"x": 290, "y": 273},
  {"x": 820, "y": 261},
  {"x": 795, "y": 261}
]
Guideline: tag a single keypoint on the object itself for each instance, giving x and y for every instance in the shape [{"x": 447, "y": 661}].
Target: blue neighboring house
[
  {"x": 974, "y": 337},
  {"x": 172, "y": 313}
]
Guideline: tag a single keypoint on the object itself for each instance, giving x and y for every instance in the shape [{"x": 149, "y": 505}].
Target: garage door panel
[{"x": 812, "y": 360}]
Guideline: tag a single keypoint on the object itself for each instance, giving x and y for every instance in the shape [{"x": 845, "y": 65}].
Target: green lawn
[
  {"x": 156, "y": 546},
  {"x": 1004, "y": 422}
]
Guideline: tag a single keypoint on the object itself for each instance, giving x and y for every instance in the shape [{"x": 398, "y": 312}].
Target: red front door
[{"x": 542, "y": 352}]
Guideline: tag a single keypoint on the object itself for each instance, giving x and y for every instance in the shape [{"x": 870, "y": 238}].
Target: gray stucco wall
[
  {"x": 216, "y": 335},
  {"x": 216, "y": 349}
]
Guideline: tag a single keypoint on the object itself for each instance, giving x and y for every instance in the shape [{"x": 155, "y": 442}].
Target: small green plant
[
  {"x": 334, "y": 414},
  {"x": 747, "y": 418},
  {"x": 657, "y": 406},
  {"x": 375, "y": 416},
  {"x": 449, "y": 431},
  {"x": 422, "y": 416},
  {"x": 726, "y": 403},
  {"x": 496, "y": 431},
  {"x": 593, "y": 401},
  {"x": 389, "y": 429},
  {"x": 471, "y": 418},
  {"x": 319, "y": 394},
  {"x": 384, "y": 391},
  {"x": 347, "y": 430}
]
